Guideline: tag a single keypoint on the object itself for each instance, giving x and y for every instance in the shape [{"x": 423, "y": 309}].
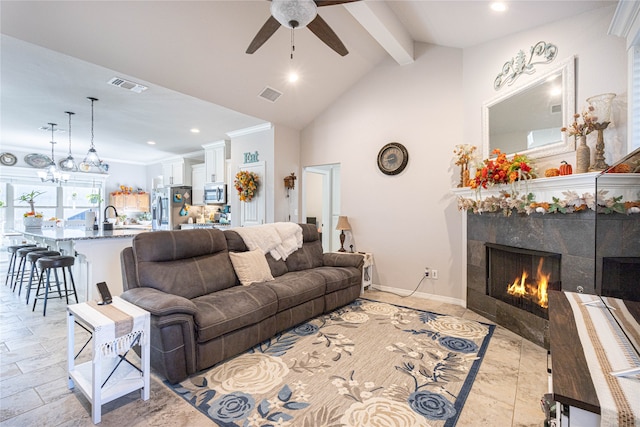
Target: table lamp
[{"x": 343, "y": 224}]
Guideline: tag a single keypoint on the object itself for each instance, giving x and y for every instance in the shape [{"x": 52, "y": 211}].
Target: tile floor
[{"x": 33, "y": 380}]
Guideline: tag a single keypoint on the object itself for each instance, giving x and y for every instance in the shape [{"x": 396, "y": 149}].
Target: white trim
[
  {"x": 423, "y": 295},
  {"x": 626, "y": 22},
  {"x": 250, "y": 130}
]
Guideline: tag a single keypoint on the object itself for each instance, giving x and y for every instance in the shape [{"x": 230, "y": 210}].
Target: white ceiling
[{"x": 191, "y": 55}]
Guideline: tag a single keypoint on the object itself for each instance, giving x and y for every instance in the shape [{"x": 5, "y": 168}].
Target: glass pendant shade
[
  {"x": 294, "y": 13},
  {"x": 92, "y": 160},
  {"x": 69, "y": 164},
  {"x": 51, "y": 172}
]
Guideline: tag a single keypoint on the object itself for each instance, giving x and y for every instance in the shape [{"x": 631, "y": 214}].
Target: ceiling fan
[{"x": 297, "y": 14}]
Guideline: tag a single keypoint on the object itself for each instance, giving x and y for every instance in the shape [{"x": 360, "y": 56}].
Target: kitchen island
[{"x": 97, "y": 254}]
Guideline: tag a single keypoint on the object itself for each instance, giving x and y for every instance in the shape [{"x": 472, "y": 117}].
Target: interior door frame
[{"x": 330, "y": 201}]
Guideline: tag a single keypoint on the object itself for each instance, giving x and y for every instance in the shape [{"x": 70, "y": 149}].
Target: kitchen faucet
[{"x": 106, "y": 225}]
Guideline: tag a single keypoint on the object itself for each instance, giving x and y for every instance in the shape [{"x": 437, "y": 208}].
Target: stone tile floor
[{"x": 33, "y": 380}]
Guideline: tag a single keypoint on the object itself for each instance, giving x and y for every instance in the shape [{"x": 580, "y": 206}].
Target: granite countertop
[{"x": 62, "y": 234}]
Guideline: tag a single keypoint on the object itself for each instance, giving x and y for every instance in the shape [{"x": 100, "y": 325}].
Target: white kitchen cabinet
[
  {"x": 177, "y": 172},
  {"x": 215, "y": 157},
  {"x": 197, "y": 182}
]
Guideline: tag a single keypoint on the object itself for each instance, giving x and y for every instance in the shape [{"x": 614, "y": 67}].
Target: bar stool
[
  {"x": 45, "y": 265},
  {"x": 21, "y": 257},
  {"x": 11, "y": 270},
  {"x": 32, "y": 257}
]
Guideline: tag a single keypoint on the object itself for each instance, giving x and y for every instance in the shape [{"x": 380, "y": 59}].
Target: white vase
[{"x": 583, "y": 155}]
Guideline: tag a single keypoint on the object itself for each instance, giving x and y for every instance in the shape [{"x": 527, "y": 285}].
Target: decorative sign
[{"x": 251, "y": 157}]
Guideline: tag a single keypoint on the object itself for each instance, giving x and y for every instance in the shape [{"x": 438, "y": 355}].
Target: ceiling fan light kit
[
  {"x": 297, "y": 14},
  {"x": 294, "y": 13}
]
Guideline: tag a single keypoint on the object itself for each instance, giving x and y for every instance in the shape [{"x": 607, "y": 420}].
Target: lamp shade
[
  {"x": 294, "y": 13},
  {"x": 343, "y": 223}
]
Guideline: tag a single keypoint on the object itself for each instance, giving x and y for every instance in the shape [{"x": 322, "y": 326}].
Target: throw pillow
[{"x": 251, "y": 266}]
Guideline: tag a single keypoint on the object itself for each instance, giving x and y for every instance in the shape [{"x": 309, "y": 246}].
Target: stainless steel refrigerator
[{"x": 169, "y": 207}]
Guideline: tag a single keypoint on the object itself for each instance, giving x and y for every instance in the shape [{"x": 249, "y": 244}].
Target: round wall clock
[{"x": 393, "y": 158}]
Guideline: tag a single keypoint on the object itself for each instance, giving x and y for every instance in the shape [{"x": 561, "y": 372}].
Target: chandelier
[
  {"x": 69, "y": 164},
  {"x": 52, "y": 173},
  {"x": 91, "y": 160}
]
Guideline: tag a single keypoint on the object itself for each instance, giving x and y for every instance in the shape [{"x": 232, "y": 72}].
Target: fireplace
[{"x": 522, "y": 277}]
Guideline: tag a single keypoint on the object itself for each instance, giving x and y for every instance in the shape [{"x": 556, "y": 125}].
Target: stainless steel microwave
[{"x": 215, "y": 193}]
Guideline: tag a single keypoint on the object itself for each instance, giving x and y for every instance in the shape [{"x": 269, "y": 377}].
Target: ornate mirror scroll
[{"x": 528, "y": 119}]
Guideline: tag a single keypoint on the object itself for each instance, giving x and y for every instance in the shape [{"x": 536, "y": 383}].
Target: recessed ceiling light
[
  {"x": 498, "y": 6},
  {"x": 293, "y": 77},
  {"x": 151, "y": 142},
  {"x": 195, "y": 130}
]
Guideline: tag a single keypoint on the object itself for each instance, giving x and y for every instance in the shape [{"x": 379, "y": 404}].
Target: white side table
[
  {"x": 109, "y": 375},
  {"x": 367, "y": 269}
]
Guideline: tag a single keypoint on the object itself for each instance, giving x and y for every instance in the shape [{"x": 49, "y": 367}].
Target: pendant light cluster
[
  {"x": 52, "y": 173},
  {"x": 91, "y": 162}
]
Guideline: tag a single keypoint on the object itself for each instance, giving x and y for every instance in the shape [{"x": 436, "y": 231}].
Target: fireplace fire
[
  {"x": 536, "y": 291},
  {"x": 522, "y": 277}
]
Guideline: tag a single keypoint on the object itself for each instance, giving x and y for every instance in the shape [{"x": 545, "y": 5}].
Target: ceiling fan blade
[
  {"x": 320, "y": 28},
  {"x": 332, "y": 2},
  {"x": 263, "y": 35}
]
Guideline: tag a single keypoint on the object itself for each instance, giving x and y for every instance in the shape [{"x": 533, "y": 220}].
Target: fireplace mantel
[{"x": 626, "y": 185}]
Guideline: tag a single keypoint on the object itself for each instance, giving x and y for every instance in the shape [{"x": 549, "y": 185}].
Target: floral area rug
[{"x": 366, "y": 364}]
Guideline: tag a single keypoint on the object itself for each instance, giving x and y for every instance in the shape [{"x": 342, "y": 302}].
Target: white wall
[
  {"x": 286, "y": 160},
  {"x": 408, "y": 221},
  {"x": 600, "y": 68}
]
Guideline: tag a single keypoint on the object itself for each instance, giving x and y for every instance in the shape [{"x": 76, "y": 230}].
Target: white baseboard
[{"x": 423, "y": 295}]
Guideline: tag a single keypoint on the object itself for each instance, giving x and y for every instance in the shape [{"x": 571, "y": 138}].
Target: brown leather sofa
[{"x": 201, "y": 314}]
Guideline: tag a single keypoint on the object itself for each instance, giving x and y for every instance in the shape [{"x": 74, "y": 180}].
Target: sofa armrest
[
  {"x": 159, "y": 303},
  {"x": 333, "y": 259}
]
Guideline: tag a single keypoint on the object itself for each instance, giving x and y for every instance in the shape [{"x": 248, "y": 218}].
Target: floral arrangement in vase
[
  {"x": 501, "y": 170},
  {"x": 464, "y": 154},
  {"x": 587, "y": 126},
  {"x": 246, "y": 183},
  {"x": 580, "y": 131}
]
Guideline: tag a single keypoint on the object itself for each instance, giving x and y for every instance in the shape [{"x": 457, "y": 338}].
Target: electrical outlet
[
  {"x": 434, "y": 274},
  {"x": 426, "y": 272}
]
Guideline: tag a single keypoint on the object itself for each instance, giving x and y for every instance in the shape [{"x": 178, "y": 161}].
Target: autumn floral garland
[{"x": 246, "y": 184}]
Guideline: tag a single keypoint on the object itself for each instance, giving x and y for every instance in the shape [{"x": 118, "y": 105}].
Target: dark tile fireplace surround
[{"x": 570, "y": 235}]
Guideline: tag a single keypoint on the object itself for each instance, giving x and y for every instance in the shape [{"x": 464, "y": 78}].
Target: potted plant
[{"x": 31, "y": 218}]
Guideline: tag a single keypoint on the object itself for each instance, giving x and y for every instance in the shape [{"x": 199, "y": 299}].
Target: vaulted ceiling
[{"x": 191, "y": 56}]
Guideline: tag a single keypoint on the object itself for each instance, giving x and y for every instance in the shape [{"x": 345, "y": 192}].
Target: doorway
[{"x": 321, "y": 201}]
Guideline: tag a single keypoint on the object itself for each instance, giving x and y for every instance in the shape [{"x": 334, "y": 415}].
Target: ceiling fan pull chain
[{"x": 293, "y": 46}]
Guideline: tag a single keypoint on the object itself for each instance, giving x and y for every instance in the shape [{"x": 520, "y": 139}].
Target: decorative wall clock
[{"x": 393, "y": 158}]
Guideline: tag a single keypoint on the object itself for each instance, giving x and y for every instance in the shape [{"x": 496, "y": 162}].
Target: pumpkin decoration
[
  {"x": 552, "y": 172},
  {"x": 621, "y": 168},
  {"x": 565, "y": 168}
]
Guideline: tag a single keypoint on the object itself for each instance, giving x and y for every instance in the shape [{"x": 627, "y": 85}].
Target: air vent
[
  {"x": 127, "y": 84},
  {"x": 556, "y": 108},
  {"x": 270, "y": 94}
]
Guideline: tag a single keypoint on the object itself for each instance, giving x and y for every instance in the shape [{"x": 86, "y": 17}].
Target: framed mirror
[{"x": 528, "y": 119}]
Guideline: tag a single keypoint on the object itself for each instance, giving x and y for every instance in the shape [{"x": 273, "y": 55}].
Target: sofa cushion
[
  {"x": 339, "y": 277},
  {"x": 297, "y": 287},
  {"x": 231, "y": 309},
  {"x": 309, "y": 256},
  {"x": 188, "y": 263},
  {"x": 236, "y": 244},
  {"x": 251, "y": 266}
]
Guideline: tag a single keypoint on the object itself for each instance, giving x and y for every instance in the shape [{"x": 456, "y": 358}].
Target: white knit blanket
[{"x": 280, "y": 239}]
